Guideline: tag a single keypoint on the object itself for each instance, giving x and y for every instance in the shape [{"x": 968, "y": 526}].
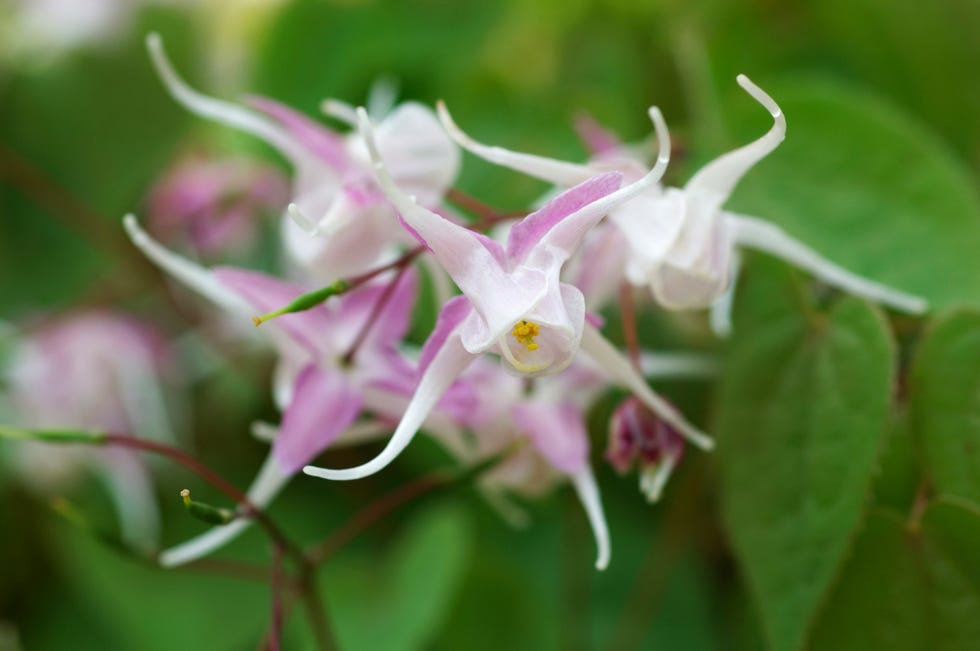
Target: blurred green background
[{"x": 879, "y": 170}]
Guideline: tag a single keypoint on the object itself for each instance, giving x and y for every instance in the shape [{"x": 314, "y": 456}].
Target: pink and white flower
[
  {"x": 320, "y": 388},
  {"x": 215, "y": 205},
  {"x": 513, "y": 303},
  {"x": 95, "y": 370},
  {"x": 338, "y": 222},
  {"x": 681, "y": 243}
]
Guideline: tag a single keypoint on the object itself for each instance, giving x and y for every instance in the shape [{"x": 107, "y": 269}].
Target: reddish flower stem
[
  {"x": 230, "y": 490},
  {"x": 275, "y": 586},
  {"x": 471, "y": 204},
  {"x": 628, "y": 314},
  {"x": 374, "y": 512},
  {"x": 400, "y": 262},
  {"x": 376, "y": 310}
]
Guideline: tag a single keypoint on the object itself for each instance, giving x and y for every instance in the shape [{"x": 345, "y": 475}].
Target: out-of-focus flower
[
  {"x": 638, "y": 437},
  {"x": 34, "y": 30},
  {"x": 215, "y": 205},
  {"x": 338, "y": 223},
  {"x": 92, "y": 370},
  {"x": 513, "y": 303},
  {"x": 681, "y": 244}
]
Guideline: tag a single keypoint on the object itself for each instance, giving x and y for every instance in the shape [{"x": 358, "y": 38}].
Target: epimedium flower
[
  {"x": 513, "y": 303},
  {"x": 335, "y": 360},
  {"x": 97, "y": 370},
  {"x": 214, "y": 205},
  {"x": 338, "y": 223},
  {"x": 681, "y": 243},
  {"x": 538, "y": 431}
]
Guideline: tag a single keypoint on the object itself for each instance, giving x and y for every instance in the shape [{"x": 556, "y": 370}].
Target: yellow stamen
[{"x": 525, "y": 332}]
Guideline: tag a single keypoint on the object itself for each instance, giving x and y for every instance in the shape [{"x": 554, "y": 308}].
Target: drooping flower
[
  {"x": 537, "y": 430},
  {"x": 338, "y": 223},
  {"x": 93, "y": 370},
  {"x": 214, "y": 205},
  {"x": 319, "y": 385},
  {"x": 638, "y": 437},
  {"x": 513, "y": 303},
  {"x": 681, "y": 243}
]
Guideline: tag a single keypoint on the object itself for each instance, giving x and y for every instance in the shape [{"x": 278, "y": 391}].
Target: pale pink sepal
[
  {"x": 447, "y": 364},
  {"x": 557, "y": 431},
  {"x": 322, "y": 142},
  {"x": 324, "y": 404}
]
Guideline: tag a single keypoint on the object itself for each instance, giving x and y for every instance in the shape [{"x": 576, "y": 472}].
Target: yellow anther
[{"x": 525, "y": 332}]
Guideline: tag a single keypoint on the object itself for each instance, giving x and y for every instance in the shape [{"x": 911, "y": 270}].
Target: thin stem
[
  {"x": 628, "y": 314},
  {"x": 316, "y": 613},
  {"x": 275, "y": 585},
  {"x": 374, "y": 512},
  {"x": 402, "y": 261},
  {"x": 227, "y": 568},
  {"x": 919, "y": 504},
  {"x": 230, "y": 490},
  {"x": 471, "y": 204},
  {"x": 376, "y": 310}
]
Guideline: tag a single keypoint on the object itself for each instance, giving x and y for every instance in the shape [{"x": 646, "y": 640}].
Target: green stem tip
[
  {"x": 53, "y": 435},
  {"x": 206, "y": 512},
  {"x": 306, "y": 301}
]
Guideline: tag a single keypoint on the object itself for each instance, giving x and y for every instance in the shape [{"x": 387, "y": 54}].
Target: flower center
[{"x": 525, "y": 332}]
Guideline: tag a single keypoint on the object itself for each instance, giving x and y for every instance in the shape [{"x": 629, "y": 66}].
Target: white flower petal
[
  {"x": 193, "y": 276},
  {"x": 619, "y": 369},
  {"x": 217, "y": 110},
  {"x": 451, "y": 360},
  {"x": 721, "y": 309},
  {"x": 588, "y": 492},
  {"x": 547, "y": 169},
  {"x": 718, "y": 178},
  {"x": 762, "y": 235}
]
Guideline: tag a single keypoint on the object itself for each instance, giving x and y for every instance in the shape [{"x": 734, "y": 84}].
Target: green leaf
[
  {"x": 936, "y": 78},
  {"x": 897, "y": 477},
  {"x": 945, "y": 394},
  {"x": 156, "y": 609},
  {"x": 908, "y": 588},
  {"x": 804, "y": 402},
  {"x": 868, "y": 187},
  {"x": 401, "y": 602}
]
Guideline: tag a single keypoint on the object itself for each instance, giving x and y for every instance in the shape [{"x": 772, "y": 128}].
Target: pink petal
[
  {"x": 451, "y": 360},
  {"x": 464, "y": 256},
  {"x": 266, "y": 294},
  {"x": 323, "y": 406},
  {"x": 452, "y": 314},
  {"x": 557, "y": 431},
  {"x": 551, "y": 222},
  {"x": 324, "y": 143},
  {"x": 355, "y": 308},
  {"x": 598, "y": 139},
  {"x": 395, "y": 318}
]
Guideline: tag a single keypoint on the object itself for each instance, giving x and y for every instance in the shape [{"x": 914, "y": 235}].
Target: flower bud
[{"x": 637, "y": 435}]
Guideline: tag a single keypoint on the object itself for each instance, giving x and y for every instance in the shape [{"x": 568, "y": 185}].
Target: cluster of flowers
[{"x": 365, "y": 206}]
